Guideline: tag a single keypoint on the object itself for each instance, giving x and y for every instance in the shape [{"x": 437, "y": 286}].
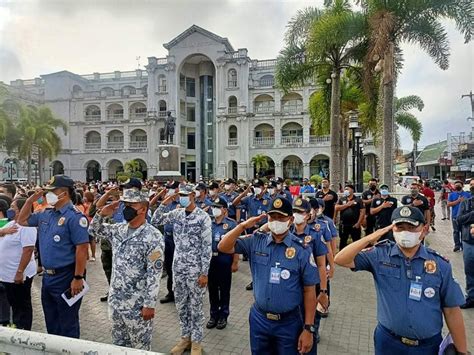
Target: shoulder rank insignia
[
  {"x": 290, "y": 253},
  {"x": 436, "y": 253},
  {"x": 430, "y": 266}
]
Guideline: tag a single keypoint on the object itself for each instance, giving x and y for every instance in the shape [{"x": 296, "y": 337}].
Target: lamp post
[
  {"x": 360, "y": 165},
  {"x": 10, "y": 163},
  {"x": 353, "y": 126},
  {"x": 358, "y": 136}
]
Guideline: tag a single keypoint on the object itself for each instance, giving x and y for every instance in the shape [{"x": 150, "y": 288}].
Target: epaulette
[
  {"x": 382, "y": 243},
  {"x": 432, "y": 251}
]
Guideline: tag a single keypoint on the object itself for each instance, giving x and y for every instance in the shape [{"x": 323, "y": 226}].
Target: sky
[{"x": 84, "y": 36}]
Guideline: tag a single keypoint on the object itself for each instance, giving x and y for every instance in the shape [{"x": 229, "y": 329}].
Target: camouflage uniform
[
  {"x": 136, "y": 273},
  {"x": 192, "y": 256}
]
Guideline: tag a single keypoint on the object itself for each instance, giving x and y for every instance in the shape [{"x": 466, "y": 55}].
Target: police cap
[
  {"x": 408, "y": 214},
  {"x": 58, "y": 181},
  {"x": 219, "y": 202},
  {"x": 301, "y": 205},
  {"x": 282, "y": 206}
]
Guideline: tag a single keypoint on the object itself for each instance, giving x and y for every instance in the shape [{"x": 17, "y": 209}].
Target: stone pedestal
[{"x": 168, "y": 163}]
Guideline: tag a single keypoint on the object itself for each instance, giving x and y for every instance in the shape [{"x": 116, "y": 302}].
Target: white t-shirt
[{"x": 11, "y": 249}]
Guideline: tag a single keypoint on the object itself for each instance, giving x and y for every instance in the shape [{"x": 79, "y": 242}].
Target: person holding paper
[
  {"x": 415, "y": 287},
  {"x": 137, "y": 264}
]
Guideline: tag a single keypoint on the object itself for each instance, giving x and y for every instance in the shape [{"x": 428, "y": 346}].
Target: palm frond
[
  {"x": 299, "y": 26},
  {"x": 411, "y": 123},
  {"x": 407, "y": 103}
]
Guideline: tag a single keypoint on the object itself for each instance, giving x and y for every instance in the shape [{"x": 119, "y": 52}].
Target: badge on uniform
[
  {"x": 290, "y": 253},
  {"x": 429, "y": 292},
  {"x": 57, "y": 238},
  {"x": 285, "y": 274},
  {"x": 307, "y": 239},
  {"x": 154, "y": 256},
  {"x": 61, "y": 221},
  {"x": 225, "y": 226},
  {"x": 278, "y": 203},
  {"x": 430, "y": 266},
  {"x": 408, "y": 200},
  {"x": 317, "y": 227},
  {"x": 378, "y": 202},
  {"x": 83, "y": 222},
  {"x": 265, "y": 202},
  {"x": 217, "y": 237},
  {"x": 415, "y": 291},
  {"x": 275, "y": 273}
]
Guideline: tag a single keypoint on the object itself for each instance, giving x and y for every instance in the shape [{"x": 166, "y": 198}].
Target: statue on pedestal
[{"x": 170, "y": 123}]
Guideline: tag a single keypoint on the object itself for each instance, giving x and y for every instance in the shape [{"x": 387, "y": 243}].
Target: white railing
[
  {"x": 292, "y": 108},
  {"x": 263, "y": 141},
  {"x": 266, "y": 82},
  {"x": 232, "y": 141},
  {"x": 114, "y": 145},
  {"x": 135, "y": 115},
  {"x": 264, "y": 64},
  {"x": 291, "y": 140},
  {"x": 319, "y": 140},
  {"x": 92, "y": 145},
  {"x": 138, "y": 144},
  {"x": 162, "y": 88},
  {"x": 232, "y": 83},
  {"x": 161, "y": 61},
  {"x": 90, "y": 118},
  {"x": 232, "y": 110},
  {"x": 115, "y": 116},
  {"x": 264, "y": 108},
  {"x": 162, "y": 113}
]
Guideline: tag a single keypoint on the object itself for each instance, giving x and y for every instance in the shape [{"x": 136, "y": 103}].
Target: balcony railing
[
  {"x": 92, "y": 145},
  {"x": 114, "y": 145},
  {"x": 291, "y": 140},
  {"x": 232, "y": 83},
  {"x": 162, "y": 88},
  {"x": 264, "y": 109},
  {"x": 138, "y": 144},
  {"x": 264, "y": 64},
  {"x": 292, "y": 108},
  {"x": 115, "y": 116},
  {"x": 136, "y": 115},
  {"x": 232, "y": 110},
  {"x": 319, "y": 140},
  {"x": 162, "y": 113},
  {"x": 266, "y": 82},
  {"x": 92, "y": 117},
  {"x": 232, "y": 141},
  {"x": 263, "y": 141}
]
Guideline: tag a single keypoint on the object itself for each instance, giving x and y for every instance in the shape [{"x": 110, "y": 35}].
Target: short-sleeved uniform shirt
[
  {"x": 367, "y": 195},
  {"x": 229, "y": 197},
  {"x": 384, "y": 217},
  {"x": 398, "y": 278},
  {"x": 408, "y": 200},
  {"x": 453, "y": 196},
  {"x": 330, "y": 204},
  {"x": 218, "y": 231},
  {"x": 350, "y": 215},
  {"x": 256, "y": 206},
  {"x": 59, "y": 232},
  {"x": 297, "y": 269},
  {"x": 313, "y": 239}
]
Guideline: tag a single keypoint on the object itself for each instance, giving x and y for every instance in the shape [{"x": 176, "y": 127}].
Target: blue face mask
[
  {"x": 184, "y": 201},
  {"x": 40, "y": 200},
  {"x": 346, "y": 193},
  {"x": 11, "y": 214}
]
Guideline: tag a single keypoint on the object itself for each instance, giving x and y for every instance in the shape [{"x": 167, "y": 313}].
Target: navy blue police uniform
[
  {"x": 229, "y": 196},
  {"x": 220, "y": 270},
  {"x": 280, "y": 271},
  {"x": 421, "y": 286},
  {"x": 59, "y": 233}
]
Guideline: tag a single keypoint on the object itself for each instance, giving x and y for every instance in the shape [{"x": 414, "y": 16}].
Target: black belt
[
  {"x": 409, "y": 341},
  {"x": 278, "y": 316},
  {"x": 52, "y": 272}
]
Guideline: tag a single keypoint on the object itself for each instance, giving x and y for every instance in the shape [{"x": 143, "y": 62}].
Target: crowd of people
[{"x": 194, "y": 234}]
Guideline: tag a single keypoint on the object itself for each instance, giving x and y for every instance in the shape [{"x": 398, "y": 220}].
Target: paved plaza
[{"x": 348, "y": 330}]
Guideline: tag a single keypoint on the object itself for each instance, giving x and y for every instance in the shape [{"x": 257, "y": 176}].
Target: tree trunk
[
  {"x": 40, "y": 167},
  {"x": 335, "y": 159},
  {"x": 387, "y": 137},
  {"x": 345, "y": 150},
  {"x": 28, "y": 168}
]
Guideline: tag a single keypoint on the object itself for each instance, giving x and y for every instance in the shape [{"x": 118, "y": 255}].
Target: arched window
[
  {"x": 93, "y": 140},
  {"x": 232, "y": 135},
  {"x": 264, "y": 135},
  {"x": 138, "y": 139},
  {"x": 162, "y": 83},
  {"x": 232, "y": 104},
  {"x": 162, "y": 108},
  {"x": 128, "y": 90},
  {"x": 137, "y": 110},
  {"x": 264, "y": 104},
  {"x": 292, "y": 103},
  {"x": 232, "y": 78},
  {"x": 266, "y": 80},
  {"x": 92, "y": 113},
  {"x": 115, "y": 139},
  {"x": 115, "y": 112},
  {"x": 106, "y": 92},
  {"x": 291, "y": 134}
]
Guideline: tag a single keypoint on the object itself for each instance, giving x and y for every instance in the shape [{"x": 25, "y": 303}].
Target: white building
[{"x": 226, "y": 104}]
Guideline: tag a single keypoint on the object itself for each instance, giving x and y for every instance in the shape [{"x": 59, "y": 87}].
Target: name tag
[
  {"x": 217, "y": 238},
  {"x": 415, "y": 291},
  {"x": 275, "y": 274}
]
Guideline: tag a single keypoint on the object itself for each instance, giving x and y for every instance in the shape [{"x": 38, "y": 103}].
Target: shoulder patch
[
  {"x": 83, "y": 222},
  {"x": 154, "y": 255},
  {"x": 382, "y": 243}
]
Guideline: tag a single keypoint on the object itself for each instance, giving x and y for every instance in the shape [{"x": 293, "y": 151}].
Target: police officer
[
  {"x": 229, "y": 195},
  {"x": 414, "y": 285},
  {"x": 193, "y": 237},
  {"x": 382, "y": 209},
  {"x": 285, "y": 275},
  {"x": 221, "y": 268},
  {"x": 281, "y": 190},
  {"x": 367, "y": 198},
  {"x": 171, "y": 190},
  {"x": 202, "y": 199},
  {"x": 137, "y": 266},
  {"x": 352, "y": 215},
  {"x": 64, "y": 243}
]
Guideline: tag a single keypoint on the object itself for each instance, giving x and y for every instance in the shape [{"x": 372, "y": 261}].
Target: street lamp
[
  {"x": 354, "y": 127},
  {"x": 358, "y": 136},
  {"x": 10, "y": 163},
  {"x": 360, "y": 166}
]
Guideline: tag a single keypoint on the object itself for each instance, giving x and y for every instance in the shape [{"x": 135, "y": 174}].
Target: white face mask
[
  {"x": 249, "y": 194},
  {"x": 257, "y": 190},
  {"x": 407, "y": 239},
  {"x": 216, "y": 212},
  {"x": 52, "y": 198},
  {"x": 227, "y": 187},
  {"x": 198, "y": 193},
  {"x": 299, "y": 218},
  {"x": 319, "y": 213},
  {"x": 212, "y": 193},
  {"x": 271, "y": 191},
  {"x": 277, "y": 227}
]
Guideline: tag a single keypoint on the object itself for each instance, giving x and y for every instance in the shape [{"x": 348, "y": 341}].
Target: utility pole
[{"x": 471, "y": 96}]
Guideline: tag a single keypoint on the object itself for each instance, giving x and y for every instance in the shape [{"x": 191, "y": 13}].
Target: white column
[
  {"x": 306, "y": 171},
  {"x": 126, "y": 137},
  {"x": 278, "y": 169},
  {"x": 126, "y": 110},
  {"x": 103, "y": 138}
]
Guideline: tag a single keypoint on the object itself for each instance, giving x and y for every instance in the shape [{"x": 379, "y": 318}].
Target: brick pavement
[{"x": 348, "y": 330}]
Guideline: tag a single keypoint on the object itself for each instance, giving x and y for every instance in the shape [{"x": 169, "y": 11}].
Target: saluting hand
[
  {"x": 375, "y": 236},
  {"x": 38, "y": 193},
  {"x": 251, "y": 222},
  {"x": 109, "y": 209}
]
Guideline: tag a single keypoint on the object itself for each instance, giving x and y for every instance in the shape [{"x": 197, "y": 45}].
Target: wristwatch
[
  {"x": 310, "y": 328},
  {"x": 78, "y": 277},
  {"x": 324, "y": 291}
]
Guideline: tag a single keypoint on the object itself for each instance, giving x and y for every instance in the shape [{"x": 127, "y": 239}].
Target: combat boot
[
  {"x": 184, "y": 344},
  {"x": 196, "y": 349}
]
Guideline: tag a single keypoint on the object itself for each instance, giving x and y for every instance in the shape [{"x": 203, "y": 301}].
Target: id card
[
  {"x": 275, "y": 274},
  {"x": 415, "y": 291}
]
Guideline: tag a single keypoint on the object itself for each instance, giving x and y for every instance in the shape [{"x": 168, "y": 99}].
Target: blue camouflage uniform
[
  {"x": 220, "y": 272},
  {"x": 59, "y": 232},
  {"x": 192, "y": 232},
  {"x": 411, "y": 296},
  {"x": 280, "y": 271},
  {"x": 135, "y": 283}
]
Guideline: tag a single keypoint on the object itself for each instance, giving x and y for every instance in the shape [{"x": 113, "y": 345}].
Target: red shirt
[{"x": 429, "y": 194}]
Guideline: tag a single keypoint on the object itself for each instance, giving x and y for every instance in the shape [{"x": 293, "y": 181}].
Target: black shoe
[
  {"x": 211, "y": 323},
  {"x": 104, "y": 298},
  {"x": 222, "y": 323},
  {"x": 457, "y": 249},
  {"x": 433, "y": 228},
  {"x": 469, "y": 304},
  {"x": 245, "y": 258},
  {"x": 249, "y": 287},
  {"x": 168, "y": 298},
  {"x": 443, "y": 219}
]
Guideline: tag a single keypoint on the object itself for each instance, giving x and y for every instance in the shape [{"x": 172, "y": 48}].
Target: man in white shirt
[{"x": 18, "y": 266}]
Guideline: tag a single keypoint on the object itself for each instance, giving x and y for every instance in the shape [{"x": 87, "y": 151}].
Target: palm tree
[
  {"x": 37, "y": 132},
  {"x": 260, "y": 162},
  {"x": 318, "y": 42},
  {"x": 394, "y": 22}
]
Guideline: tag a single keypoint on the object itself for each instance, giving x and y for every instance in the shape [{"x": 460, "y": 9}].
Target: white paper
[
  {"x": 71, "y": 301},
  {"x": 445, "y": 343}
]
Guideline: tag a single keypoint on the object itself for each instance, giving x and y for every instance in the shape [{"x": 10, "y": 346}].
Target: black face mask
[
  {"x": 129, "y": 213},
  {"x": 458, "y": 188},
  {"x": 373, "y": 187},
  {"x": 472, "y": 190}
]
